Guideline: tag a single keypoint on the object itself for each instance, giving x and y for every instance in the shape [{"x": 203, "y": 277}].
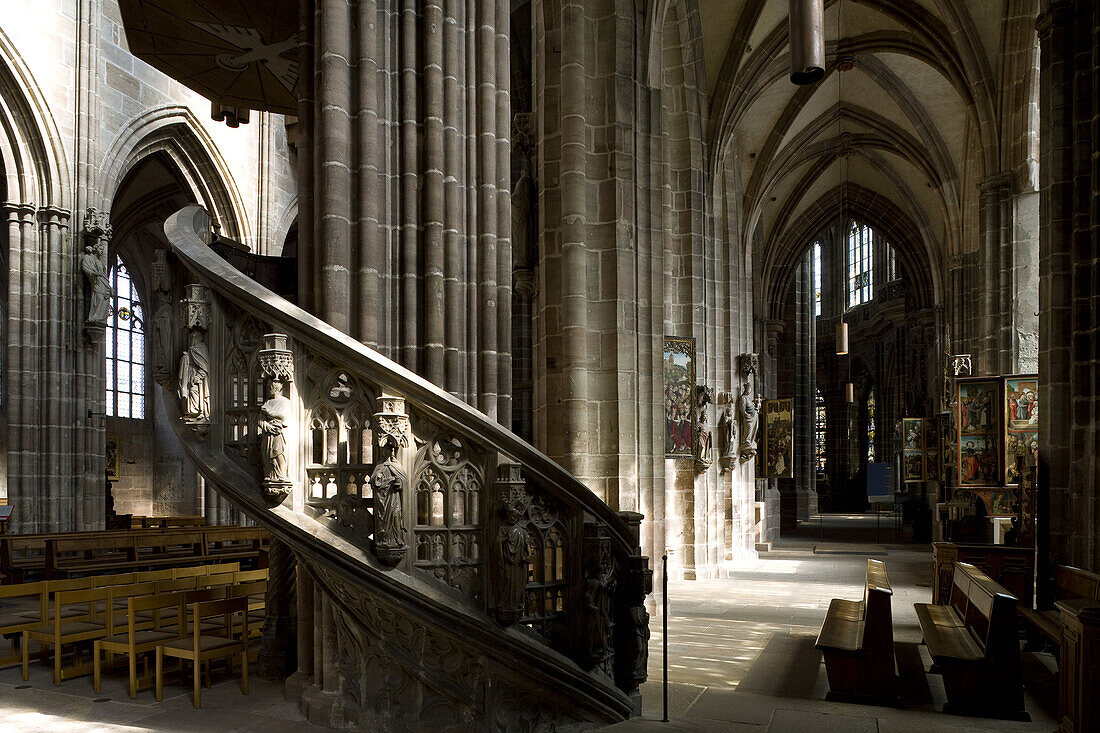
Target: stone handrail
[{"x": 383, "y": 482}]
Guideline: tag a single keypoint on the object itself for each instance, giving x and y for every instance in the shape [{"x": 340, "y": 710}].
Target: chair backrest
[
  {"x": 247, "y": 576},
  {"x": 156, "y": 604},
  {"x": 215, "y": 579},
  {"x": 29, "y": 590},
  {"x": 93, "y": 597},
  {"x": 201, "y": 595},
  {"x": 223, "y": 609},
  {"x": 174, "y": 585},
  {"x": 117, "y": 593},
  {"x": 243, "y": 590}
]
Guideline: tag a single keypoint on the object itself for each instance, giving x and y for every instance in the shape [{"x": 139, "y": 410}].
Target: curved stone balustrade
[{"x": 462, "y": 577}]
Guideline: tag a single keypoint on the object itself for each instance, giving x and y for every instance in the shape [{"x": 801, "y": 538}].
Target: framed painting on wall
[
  {"x": 679, "y": 366},
  {"x": 779, "y": 442},
  {"x": 979, "y": 437},
  {"x": 1021, "y": 418},
  {"x": 913, "y": 444}
]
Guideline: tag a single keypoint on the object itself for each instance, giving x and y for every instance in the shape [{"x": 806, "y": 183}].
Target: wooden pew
[
  {"x": 68, "y": 556},
  {"x": 1070, "y": 583},
  {"x": 857, "y": 641},
  {"x": 974, "y": 644}
]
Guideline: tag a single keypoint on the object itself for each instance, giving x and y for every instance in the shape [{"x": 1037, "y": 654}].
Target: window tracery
[{"x": 125, "y": 347}]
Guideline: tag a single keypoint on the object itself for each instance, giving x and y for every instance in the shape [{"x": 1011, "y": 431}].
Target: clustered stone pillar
[
  {"x": 1069, "y": 367},
  {"x": 277, "y": 648},
  {"x": 405, "y": 217}
]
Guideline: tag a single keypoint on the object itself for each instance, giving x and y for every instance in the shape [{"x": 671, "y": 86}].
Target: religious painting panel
[
  {"x": 979, "y": 432},
  {"x": 1021, "y": 416},
  {"x": 779, "y": 442},
  {"x": 913, "y": 443},
  {"x": 679, "y": 367},
  {"x": 997, "y": 502}
]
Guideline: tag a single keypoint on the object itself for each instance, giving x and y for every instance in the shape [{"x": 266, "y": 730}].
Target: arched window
[
  {"x": 817, "y": 278},
  {"x": 860, "y": 264},
  {"x": 819, "y": 434},
  {"x": 891, "y": 264},
  {"x": 125, "y": 348},
  {"x": 871, "y": 426}
]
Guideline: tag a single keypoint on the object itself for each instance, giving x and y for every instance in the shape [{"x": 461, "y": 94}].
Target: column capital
[
  {"x": 1055, "y": 12},
  {"x": 998, "y": 184}
]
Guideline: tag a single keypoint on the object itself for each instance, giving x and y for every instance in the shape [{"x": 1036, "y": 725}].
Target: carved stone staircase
[{"x": 461, "y": 579}]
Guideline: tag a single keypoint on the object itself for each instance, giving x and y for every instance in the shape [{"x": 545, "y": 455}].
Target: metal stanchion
[{"x": 664, "y": 638}]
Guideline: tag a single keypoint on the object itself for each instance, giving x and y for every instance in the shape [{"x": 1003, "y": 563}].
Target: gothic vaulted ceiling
[{"x": 922, "y": 101}]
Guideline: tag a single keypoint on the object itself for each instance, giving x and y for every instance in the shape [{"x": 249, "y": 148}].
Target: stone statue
[
  {"x": 388, "y": 482},
  {"x": 162, "y": 336},
  {"x": 748, "y": 414},
  {"x": 599, "y": 590},
  {"x": 194, "y": 384},
  {"x": 703, "y": 439},
  {"x": 94, "y": 266},
  {"x": 274, "y": 420},
  {"x": 513, "y": 556},
  {"x": 726, "y": 446}
]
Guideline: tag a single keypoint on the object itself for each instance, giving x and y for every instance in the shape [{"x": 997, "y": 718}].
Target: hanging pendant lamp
[{"x": 807, "y": 41}]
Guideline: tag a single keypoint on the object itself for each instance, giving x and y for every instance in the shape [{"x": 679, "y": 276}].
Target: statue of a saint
[
  {"x": 388, "y": 481},
  {"x": 514, "y": 548},
  {"x": 162, "y": 336},
  {"x": 94, "y": 266},
  {"x": 703, "y": 439},
  {"x": 726, "y": 445},
  {"x": 275, "y": 417},
  {"x": 194, "y": 372},
  {"x": 748, "y": 414}
]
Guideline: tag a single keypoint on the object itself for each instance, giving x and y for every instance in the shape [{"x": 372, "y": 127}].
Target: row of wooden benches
[
  {"x": 193, "y": 613},
  {"x": 53, "y": 556},
  {"x": 973, "y": 642}
]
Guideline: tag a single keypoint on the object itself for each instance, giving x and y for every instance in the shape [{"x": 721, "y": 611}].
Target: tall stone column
[
  {"x": 805, "y": 477},
  {"x": 1069, "y": 234},
  {"x": 52, "y": 422},
  {"x": 773, "y": 330},
  {"x": 995, "y": 219},
  {"x": 404, "y": 171}
]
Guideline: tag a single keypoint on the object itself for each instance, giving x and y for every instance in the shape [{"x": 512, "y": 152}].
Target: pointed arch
[{"x": 177, "y": 133}]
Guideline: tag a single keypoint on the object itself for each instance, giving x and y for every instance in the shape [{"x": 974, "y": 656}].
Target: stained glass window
[
  {"x": 819, "y": 433},
  {"x": 125, "y": 348},
  {"x": 860, "y": 262},
  {"x": 871, "y": 426},
  {"x": 817, "y": 278}
]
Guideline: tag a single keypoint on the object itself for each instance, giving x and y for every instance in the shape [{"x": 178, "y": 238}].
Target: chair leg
[
  {"x": 57, "y": 664},
  {"x": 26, "y": 659},
  {"x": 95, "y": 667},
  {"x": 198, "y": 682},
  {"x": 133, "y": 675},
  {"x": 244, "y": 670},
  {"x": 160, "y": 669}
]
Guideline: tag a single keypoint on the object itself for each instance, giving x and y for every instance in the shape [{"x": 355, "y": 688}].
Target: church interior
[{"x": 550, "y": 365}]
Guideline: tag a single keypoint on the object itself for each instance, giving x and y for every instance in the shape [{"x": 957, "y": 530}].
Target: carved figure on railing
[
  {"x": 94, "y": 266},
  {"x": 275, "y": 416},
  {"x": 388, "y": 482},
  {"x": 513, "y": 553},
  {"x": 748, "y": 414},
  {"x": 599, "y": 593},
  {"x": 194, "y": 379}
]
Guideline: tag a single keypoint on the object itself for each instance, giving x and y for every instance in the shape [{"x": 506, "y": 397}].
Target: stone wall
[{"x": 81, "y": 113}]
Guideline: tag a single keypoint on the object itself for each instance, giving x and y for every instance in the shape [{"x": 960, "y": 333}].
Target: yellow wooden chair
[
  {"x": 86, "y": 627},
  {"x": 200, "y": 647},
  {"x": 13, "y": 623},
  {"x": 142, "y": 636}
]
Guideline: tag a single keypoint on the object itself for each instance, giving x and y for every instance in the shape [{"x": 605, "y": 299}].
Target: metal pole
[{"x": 664, "y": 637}]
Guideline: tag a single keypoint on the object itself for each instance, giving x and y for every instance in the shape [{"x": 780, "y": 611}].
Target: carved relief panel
[{"x": 447, "y": 491}]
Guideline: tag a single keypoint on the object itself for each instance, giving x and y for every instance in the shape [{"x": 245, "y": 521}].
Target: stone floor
[
  {"x": 741, "y": 659},
  {"x": 741, "y": 654}
]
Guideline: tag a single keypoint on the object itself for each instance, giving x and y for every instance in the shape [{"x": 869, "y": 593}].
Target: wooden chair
[
  {"x": 193, "y": 570},
  {"x": 256, "y": 593},
  {"x": 13, "y": 623},
  {"x": 200, "y": 647},
  {"x": 141, "y": 635},
  {"x": 86, "y": 627}
]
